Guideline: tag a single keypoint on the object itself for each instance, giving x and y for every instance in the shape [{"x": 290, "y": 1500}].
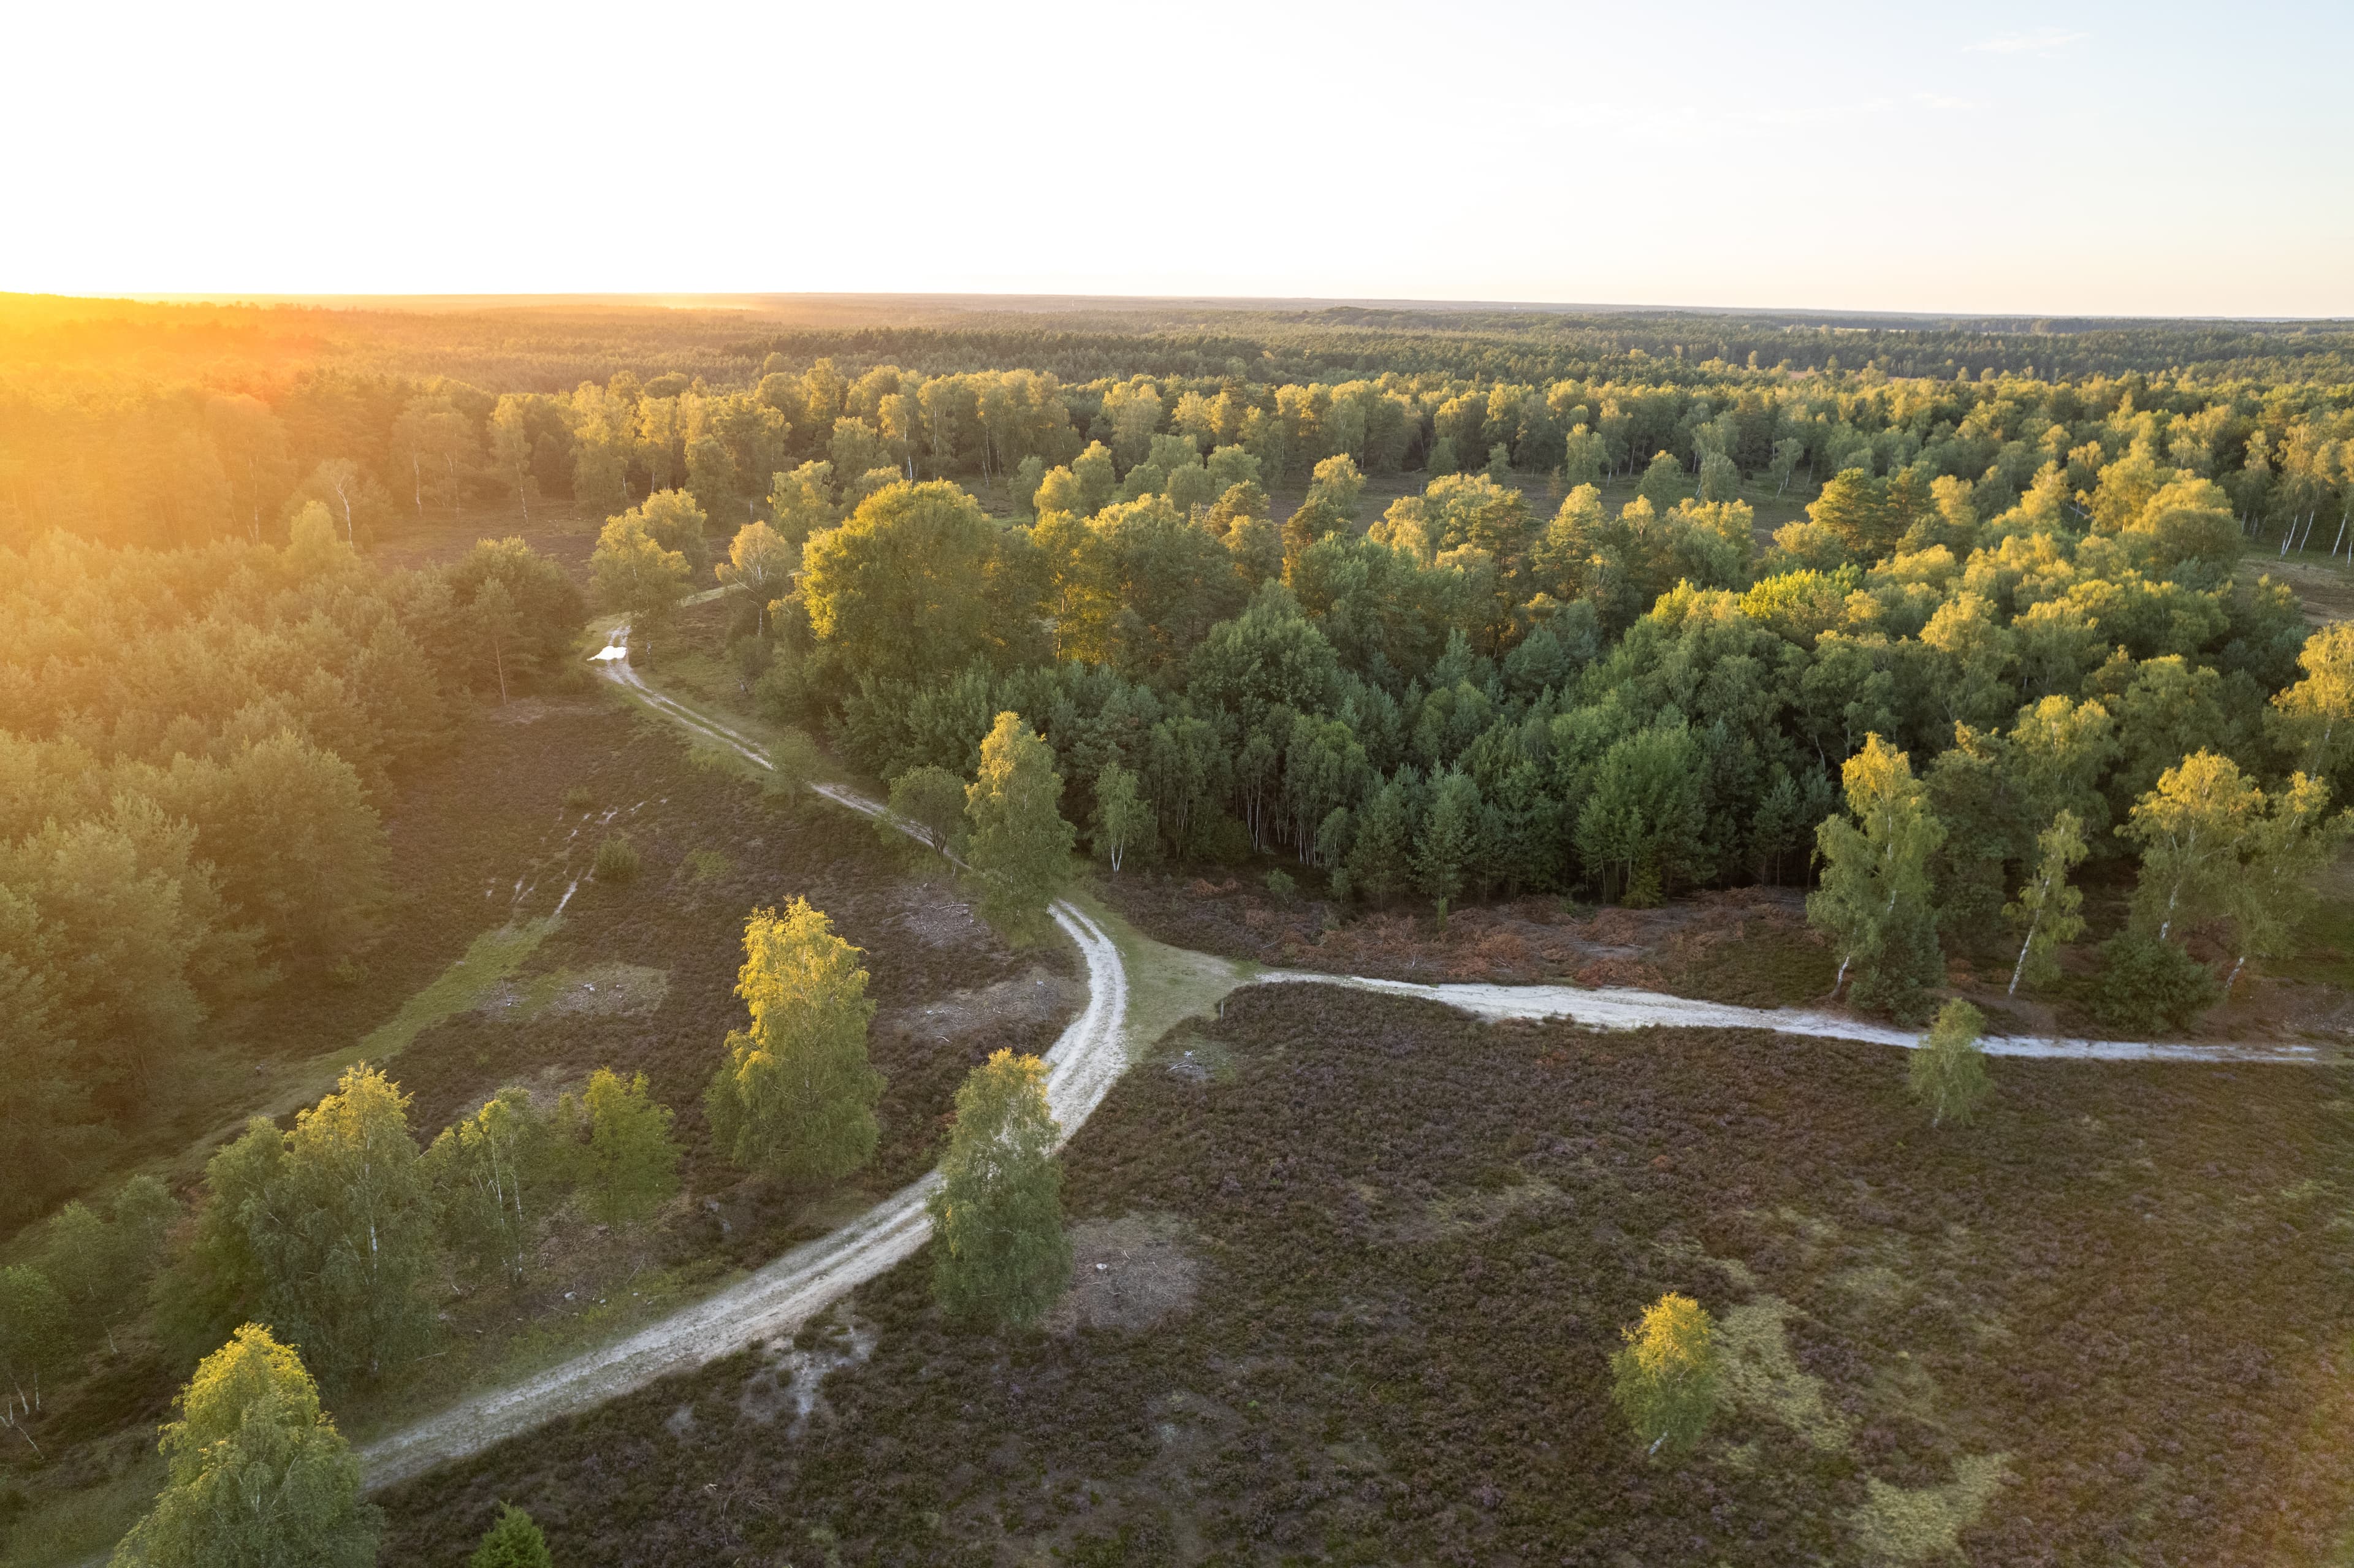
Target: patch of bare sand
[{"x": 1127, "y": 1274}]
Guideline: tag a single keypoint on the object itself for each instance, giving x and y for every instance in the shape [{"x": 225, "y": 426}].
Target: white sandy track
[
  {"x": 1615, "y": 1008},
  {"x": 1082, "y": 1066}
]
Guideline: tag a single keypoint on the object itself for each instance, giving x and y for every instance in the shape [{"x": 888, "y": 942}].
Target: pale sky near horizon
[{"x": 2074, "y": 159}]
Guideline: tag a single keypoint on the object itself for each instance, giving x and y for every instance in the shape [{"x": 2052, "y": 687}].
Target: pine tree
[
  {"x": 1020, "y": 846},
  {"x": 1949, "y": 1073},
  {"x": 1450, "y": 833},
  {"x": 1379, "y": 860},
  {"x": 998, "y": 1250},
  {"x": 259, "y": 1475},
  {"x": 513, "y": 1540},
  {"x": 1665, "y": 1380},
  {"x": 795, "y": 1098}
]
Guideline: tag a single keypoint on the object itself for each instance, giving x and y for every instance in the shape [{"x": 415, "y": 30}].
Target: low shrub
[
  {"x": 617, "y": 859},
  {"x": 579, "y": 798}
]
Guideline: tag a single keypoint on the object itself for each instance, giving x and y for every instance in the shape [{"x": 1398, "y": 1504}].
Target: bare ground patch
[{"x": 1127, "y": 1274}]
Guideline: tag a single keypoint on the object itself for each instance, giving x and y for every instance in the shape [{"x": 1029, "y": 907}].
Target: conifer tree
[
  {"x": 513, "y": 1540},
  {"x": 795, "y": 1098},
  {"x": 1379, "y": 859},
  {"x": 258, "y": 1474},
  {"x": 1020, "y": 846},
  {"x": 998, "y": 1250}
]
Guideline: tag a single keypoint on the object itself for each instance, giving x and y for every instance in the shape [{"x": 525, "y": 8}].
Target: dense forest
[{"x": 1573, "y": 662}]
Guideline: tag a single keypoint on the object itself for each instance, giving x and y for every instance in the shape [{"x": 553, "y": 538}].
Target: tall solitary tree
[
  {"x": 259, "y": 1476},
  {"x": 999, "y": 1251},
  {"x": 1665, "y": 1380},
  {"x": 795, "y": 1098},
  {"x": 1020, "y": 846}
]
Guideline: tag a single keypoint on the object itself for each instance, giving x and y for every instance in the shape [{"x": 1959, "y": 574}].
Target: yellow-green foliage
[
  {"x": 1949, "y": 1073},
  {"x": 1665, "y": 1380},
  {"x": 251, "y": 1429},
  {"x": 795, "y": 1098},
  {"x": 998, "y": 1250}
]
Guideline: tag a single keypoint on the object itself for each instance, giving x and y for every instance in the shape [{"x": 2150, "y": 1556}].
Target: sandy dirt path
[
  {"x": 1082, "y": 1066},
  {"x": 1615, "y": 1007}
]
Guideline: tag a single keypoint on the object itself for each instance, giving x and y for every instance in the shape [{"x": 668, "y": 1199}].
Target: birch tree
[
  {"x": 2047, "y": 905},
  {"x": 998, "y": 1250},
  {"x": 1874, "y": 895},
  {"x": 795, "y": 1096},
  {"x": 258, "y": 1475}
]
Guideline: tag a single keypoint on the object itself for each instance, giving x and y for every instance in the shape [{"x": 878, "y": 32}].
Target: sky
[{"x": 2056, "y": 160}]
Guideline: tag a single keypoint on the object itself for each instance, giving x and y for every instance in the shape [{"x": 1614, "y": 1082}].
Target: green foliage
[
  {"x": 617, "y": 859},
  {"x": 998, "y": 1250},
  {"x": 1282, "y": 889},
  {"x": 343, "y": 1232},
  {"x": 487, "y": 1173},
  {"x": 795, "y": 1098},
  {"x": 1122, "y": 818},
  {"x": 578, "y": 798},
  {"x": 1874, "y": 894},
  {"x": 2147, "y": 983},
  {"x": 2048, "y": 906},
  {"x": 35, "y": 1333},
  {"x": 1020, "y": 851},
  {"x": 635, "y": 572},
  {"x": 926, "y": 806},
  {"x": 1949, "y": 1073},
  {"x": 259, "y": 1475},
  {"x": 629, "y": 1166},
  {"x": 1664, "y": 1381},
  {"x": 513, "y": 1540},
  {"x": 101, "y": 1267}
]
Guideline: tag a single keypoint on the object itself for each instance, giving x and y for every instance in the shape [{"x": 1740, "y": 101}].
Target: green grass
[
  {"x": 83, "y": 1526},
  {"x": 1166, "y": 985},
  {"x": 488, "y": 959}
]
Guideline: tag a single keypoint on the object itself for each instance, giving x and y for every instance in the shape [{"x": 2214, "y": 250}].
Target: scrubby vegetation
[{"x": 2037, "y": 1337}]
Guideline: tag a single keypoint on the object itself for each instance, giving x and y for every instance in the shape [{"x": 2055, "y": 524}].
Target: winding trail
[{"x": 1082, "y": 1065}]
